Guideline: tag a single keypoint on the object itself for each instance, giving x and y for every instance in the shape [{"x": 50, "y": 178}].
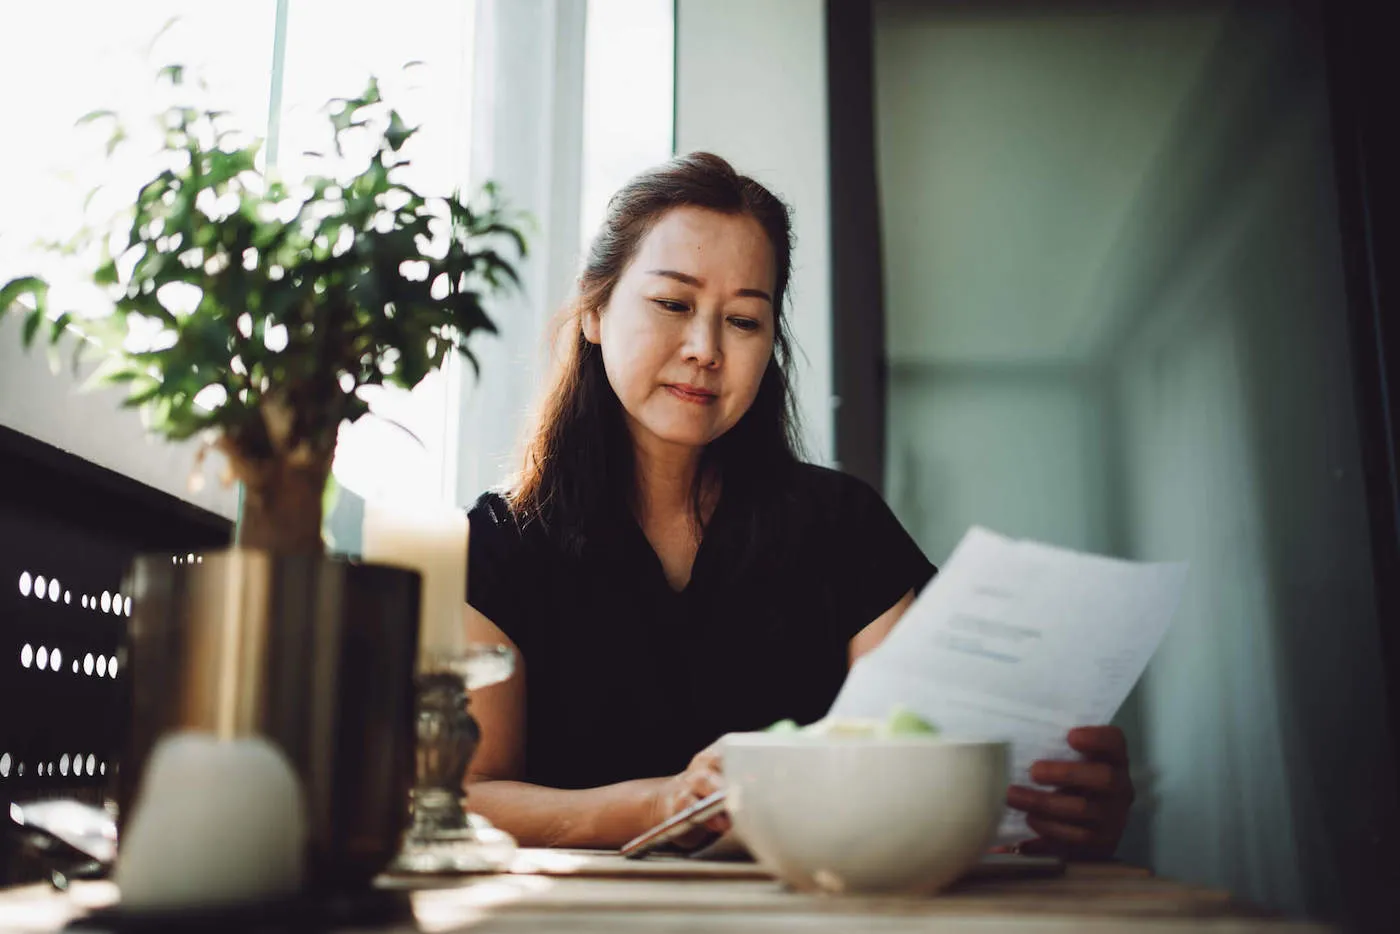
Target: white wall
[
  {"x": 1020, "y": 452},
  {"x": 1012, "y": 147},
  {"x": 53, "y": 408},
  {"x": 751, "y": 87}
]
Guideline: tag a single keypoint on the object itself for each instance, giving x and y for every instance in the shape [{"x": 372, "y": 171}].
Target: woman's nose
[{"x": 702, "y": 342}]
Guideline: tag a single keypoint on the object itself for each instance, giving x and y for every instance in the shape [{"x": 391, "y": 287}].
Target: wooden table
[{"x": 588, "y": 892}]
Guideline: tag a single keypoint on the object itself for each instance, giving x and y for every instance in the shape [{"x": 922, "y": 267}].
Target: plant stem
[{"x": 282, "y": 506}]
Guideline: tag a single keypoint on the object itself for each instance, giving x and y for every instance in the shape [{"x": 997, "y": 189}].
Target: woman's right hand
[{"x": 702, "y": 778}]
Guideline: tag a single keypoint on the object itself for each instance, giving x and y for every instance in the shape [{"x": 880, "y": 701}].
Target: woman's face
[{"x": 688, "y": 331}]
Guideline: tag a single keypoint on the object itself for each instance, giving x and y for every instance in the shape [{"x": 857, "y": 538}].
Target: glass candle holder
[{"x": 443, "y": 837}]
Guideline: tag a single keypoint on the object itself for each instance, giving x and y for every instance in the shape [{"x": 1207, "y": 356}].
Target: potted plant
[{"x": 267, "y": 308}]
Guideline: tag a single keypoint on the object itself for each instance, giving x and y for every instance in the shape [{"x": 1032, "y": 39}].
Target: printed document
[{"x": 1019, "y": 641}]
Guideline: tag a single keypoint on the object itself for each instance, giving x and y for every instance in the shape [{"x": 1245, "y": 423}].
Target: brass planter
[{"x": 314, "y": 653}]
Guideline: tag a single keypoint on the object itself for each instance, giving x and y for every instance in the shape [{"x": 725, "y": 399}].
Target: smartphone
[{"x": 674, "y": 826}]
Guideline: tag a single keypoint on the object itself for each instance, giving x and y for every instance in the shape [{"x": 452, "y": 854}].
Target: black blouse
[{"x": 627, "y": 678}]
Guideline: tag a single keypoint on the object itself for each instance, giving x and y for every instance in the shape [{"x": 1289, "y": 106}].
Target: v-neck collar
[{"x": 636, "y": 538}]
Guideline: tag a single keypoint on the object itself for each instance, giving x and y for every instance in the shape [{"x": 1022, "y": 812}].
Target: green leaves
[
  {"x": 93, "y": 116},
  {"x": 36, "y": 288},
  {"x": 398, "y": 132},
  {"x": 58, "y": 326},
  {"x": 175, "y": 74},
  {"x": 235, "y": 289},
  {"x": 38, "y": 292}
]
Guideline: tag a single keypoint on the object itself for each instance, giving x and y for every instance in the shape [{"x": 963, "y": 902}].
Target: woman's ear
[{"x": 592, "y": 325}]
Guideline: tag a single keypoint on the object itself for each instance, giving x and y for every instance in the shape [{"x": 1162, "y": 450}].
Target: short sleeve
[
  {"x": 877, "y": 562},
  {"x": 495, "y": 567}
]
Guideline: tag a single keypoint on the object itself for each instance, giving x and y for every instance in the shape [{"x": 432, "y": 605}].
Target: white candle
[
  {"x": 433, "y": 542},
  {"x": 214, "y": 822}
]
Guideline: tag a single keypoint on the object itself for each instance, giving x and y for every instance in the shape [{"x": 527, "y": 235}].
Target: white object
[
  {"x": 88, "y": 829},
  {"x": 431, "y": 540},
  {"x": 900, "y": 814},
  {"x": 215, "y": 822},
  {"x": 1019, "y": 641}
]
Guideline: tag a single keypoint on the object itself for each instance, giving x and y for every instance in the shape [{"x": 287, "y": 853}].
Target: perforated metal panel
[
  {"x": 61, "y": 625},
  {"x": 68, "y": 531}
]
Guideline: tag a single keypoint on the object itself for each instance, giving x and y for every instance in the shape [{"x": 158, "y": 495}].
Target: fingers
[
  {"x": 694, "y": 838},
  {"x": 1061, "y": 836},
  {"x": 1069, "y": 825},
  {"x": 1101, "y": 743},
  {"x": 695, "y": 784},
  {"x": 709, "y": 758},
  {"x": 720, "y": 824},
  {"x": 1086, "y": 812},
  {"x": 1072, "y": 808},
  {"x": 705, "y": 774},
  {"x": 702, "y": 778},
  {"x": 1091, "y": 777},
  {"x": 703, "y": 782}
]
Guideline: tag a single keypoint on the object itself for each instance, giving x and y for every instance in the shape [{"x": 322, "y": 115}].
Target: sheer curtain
[{"x": 527, "y": 136}]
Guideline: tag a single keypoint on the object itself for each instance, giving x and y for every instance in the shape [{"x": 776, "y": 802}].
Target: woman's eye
[
  {"x": 744, "y": 324},
  {"x": 670, "y": 305}
]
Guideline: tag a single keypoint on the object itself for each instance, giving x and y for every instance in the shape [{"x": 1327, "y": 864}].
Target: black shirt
[{"x": 627, "y": 678}]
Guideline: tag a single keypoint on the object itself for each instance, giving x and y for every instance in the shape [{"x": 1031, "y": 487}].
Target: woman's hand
[
  {"x": 702, "y": 778},
  {"x": 1084, "y": 817}
]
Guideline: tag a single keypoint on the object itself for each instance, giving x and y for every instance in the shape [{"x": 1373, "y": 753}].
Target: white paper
[{"x": 1019, "y": 641}]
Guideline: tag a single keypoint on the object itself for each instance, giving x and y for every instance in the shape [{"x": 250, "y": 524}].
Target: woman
[{"x": 666, "y": 567}]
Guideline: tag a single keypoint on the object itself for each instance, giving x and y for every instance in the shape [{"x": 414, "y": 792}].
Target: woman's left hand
[{"x": 1084, "y": 816}]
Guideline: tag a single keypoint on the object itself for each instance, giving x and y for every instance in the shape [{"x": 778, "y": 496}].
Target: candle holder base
[{"x": 476, "y": 847}]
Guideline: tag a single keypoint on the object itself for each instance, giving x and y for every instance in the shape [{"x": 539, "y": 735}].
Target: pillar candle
[{"x": 433, "y": 542}]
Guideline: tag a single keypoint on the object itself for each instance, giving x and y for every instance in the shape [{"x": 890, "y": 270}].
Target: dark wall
[
  {"x": 1363, "y": 73},
  {"x": 857, "y": 284}
]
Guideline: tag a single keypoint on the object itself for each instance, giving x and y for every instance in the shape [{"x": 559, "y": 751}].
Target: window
[
  {"x": 78, "y": 56},
  {"x": 629, "y": 98},
  {"x": 66, "y": 58}
]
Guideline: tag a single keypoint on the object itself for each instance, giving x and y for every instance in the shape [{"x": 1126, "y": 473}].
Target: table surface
[{"x": 578, "y": 891}]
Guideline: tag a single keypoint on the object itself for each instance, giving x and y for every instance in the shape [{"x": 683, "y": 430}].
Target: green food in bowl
[
  {"x": 905, "y": 722},
  {"x": 901, "y": 722}
]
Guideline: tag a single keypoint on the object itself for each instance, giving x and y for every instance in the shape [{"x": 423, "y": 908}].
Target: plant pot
[{"x": 314, "y": 653}]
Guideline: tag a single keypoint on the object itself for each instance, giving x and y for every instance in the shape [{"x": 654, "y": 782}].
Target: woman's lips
[{"x": 692, "y": 394}]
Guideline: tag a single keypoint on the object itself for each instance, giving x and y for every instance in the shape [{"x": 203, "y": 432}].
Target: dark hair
[{"x": 579, "y": 460}]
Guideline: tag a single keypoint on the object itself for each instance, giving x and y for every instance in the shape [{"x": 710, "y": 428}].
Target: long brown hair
[{"x": 579, "y": 460}]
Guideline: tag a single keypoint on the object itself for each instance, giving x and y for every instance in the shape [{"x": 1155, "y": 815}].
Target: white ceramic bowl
[{"x": 901, "y": 814}]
